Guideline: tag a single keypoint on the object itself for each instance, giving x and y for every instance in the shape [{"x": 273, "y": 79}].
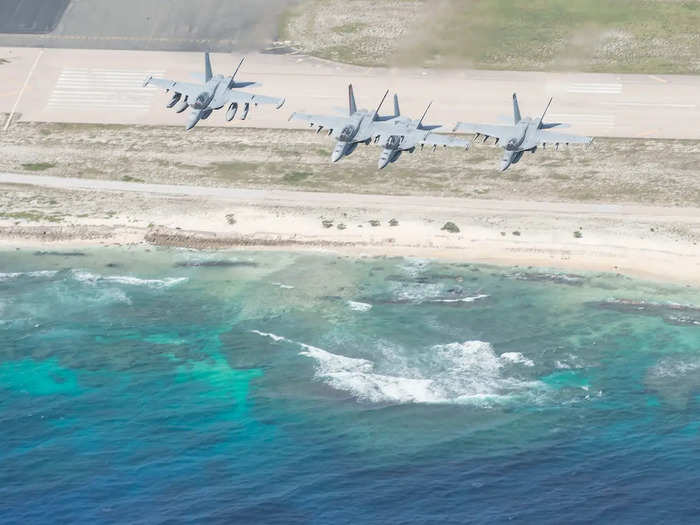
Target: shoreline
[
  {"x": 659, "y": 275},
  {"x": 649, "y": 242}
]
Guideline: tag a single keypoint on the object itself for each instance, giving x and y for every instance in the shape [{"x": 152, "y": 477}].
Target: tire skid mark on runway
[{"x": 102, "y": 88}]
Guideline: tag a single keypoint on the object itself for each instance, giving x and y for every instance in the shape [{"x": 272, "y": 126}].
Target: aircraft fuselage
[{"x": 525, "y": 139}]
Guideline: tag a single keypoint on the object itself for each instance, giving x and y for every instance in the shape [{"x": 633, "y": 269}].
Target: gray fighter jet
[
  {"x": 215, "y": 93},
  {"x": 401, "y": 134},
  {"x": 525, "y": 135},
  {"x": 395, "y": 133},
  {"x": 358, "y": 127}
]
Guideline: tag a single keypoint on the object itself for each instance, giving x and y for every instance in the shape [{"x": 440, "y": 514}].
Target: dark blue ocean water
[{"x": 172, "y": 386}]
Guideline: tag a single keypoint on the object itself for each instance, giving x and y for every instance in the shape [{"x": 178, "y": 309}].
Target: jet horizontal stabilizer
[
  {"x": 238, "y": 85},
  {"x": 550, "y": 125}
]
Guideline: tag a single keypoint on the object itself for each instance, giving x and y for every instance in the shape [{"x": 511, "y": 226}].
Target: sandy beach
[{"x": 656, "y": 243}]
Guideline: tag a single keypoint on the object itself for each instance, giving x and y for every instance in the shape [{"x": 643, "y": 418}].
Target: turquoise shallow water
[{"x": 169, "y": 386}]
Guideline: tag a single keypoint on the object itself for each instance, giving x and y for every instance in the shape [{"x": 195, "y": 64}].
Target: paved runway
[
  {"x": 175, "y": 25},
  {"x": 30, "y": 16},
  {"x": 105, "y": 86}
]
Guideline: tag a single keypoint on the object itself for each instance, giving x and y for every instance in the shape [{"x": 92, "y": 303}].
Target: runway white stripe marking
[
  {"x": 650, "y": 104},
  {"x": 86, "y": 89},
  {"x": 603, "y": 121},
  {"x": 610, "y": 89},
  {"x": 68, "y": 94}
]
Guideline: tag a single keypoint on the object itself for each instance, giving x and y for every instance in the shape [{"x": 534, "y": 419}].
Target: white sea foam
[
  {"x": 283, "y": 286},
  {"x": 676, "y": 379},
  {"x": 516, "y": 357},
  {"x": 414, "y": 267},
  {"x": 359, "y": 307},
  {"x": 462, "y": 299},
  {"x": 418, "y": 292},
  {"x": 115, "y": 295},
  {"x": 90, "y": 278},
  {"x": 675, "y": 368},
  {"x": 271, "y": 336},
  {"x": 14, "y": 275},
  {"x": 468, "y": 372}
]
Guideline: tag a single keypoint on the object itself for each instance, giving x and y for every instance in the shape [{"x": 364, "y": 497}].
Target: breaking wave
[
  {"x": 457, "y": 373},
  {"x": 462, "y": 299},
  {"x": 15, "y": 275},
  {"x": 283, "y": 286},
  {"x": 90, "y": 278},
  {"x": 359, "y": 307},
  {"x": 518, "y": 358}
]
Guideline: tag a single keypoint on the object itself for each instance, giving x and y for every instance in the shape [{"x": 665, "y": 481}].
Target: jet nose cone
[
  {"x": 381, "y": 164},
  {"x": 504, "y": 166},
  {"x": 336, "y": 156}
]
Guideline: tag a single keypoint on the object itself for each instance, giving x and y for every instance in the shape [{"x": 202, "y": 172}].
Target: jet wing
[
  {"x": 190, "y": 90},
  {"x": 242, "y": 97},
  {"x": 414, "y": 137},
  {"x": 438, "y": 139},
  {"x": 490, "y": 130},
  {"x": 549, "y": 137},
  {"x": 325, "y": 121}
]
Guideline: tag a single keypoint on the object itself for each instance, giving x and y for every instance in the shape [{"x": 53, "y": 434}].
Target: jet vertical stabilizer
[
  {"x": 397, "y": 110},
  {"x": 539, "y": 124},
  {"x": 376, "y": 111},
  {"x": 232, "y": 82},
  {"x": 352, "y": 106},
  {"x": 420, "y": 122},
  {"x": 207, "y": 68},
  {"x": 516, "y": 110}
]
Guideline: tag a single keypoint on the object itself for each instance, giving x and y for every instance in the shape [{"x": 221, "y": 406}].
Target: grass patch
[
  {"x": 31, "y": 216},
  {"x": 294, "y": 177},
  {"x": 233, "y": 169},
  {"x": 643, "y": 36},
  {"x": 345, "y": 53},
  {"x": 38, "y": 166},
  {"x": 352, "y": 27}
]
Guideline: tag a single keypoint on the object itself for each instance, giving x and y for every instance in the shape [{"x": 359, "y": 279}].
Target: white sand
[{"x": 651, "y": 242}]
